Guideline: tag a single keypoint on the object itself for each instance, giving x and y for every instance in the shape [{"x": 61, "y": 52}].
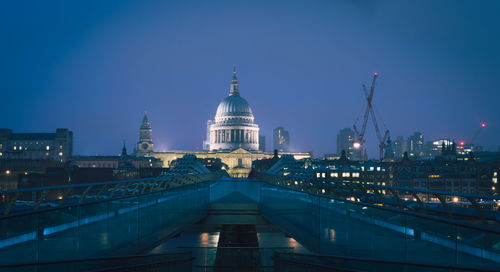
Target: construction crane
[
  {"x": 360, "y": 135},
  {"x": 478, "y": 131}
]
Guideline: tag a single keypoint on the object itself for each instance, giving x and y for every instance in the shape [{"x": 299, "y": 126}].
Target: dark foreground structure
[{"x": 196, "y": 220}]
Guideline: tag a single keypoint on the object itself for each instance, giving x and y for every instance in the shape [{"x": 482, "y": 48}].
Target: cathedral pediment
[{"x": 240, "y": 151}]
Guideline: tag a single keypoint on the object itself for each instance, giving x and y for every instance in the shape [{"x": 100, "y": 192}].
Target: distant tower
[
  {"x": 415, "y": 145},
  {"x": 281, "y": 140},
  {"x": 262, "y": 143},
  {"x": 389, "y": 154},
  {"x": 123, "y": 156},
  {"x": 345, "y": 140},
  {"x": 145, "y": 144},
  {"x": 206, "y": 142},
  {"x": 399, "y": 147}
]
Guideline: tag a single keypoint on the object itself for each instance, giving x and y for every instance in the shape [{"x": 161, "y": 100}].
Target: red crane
[
  {"x": 478, "y": 131},
  {"x": 369, "y": 111}
]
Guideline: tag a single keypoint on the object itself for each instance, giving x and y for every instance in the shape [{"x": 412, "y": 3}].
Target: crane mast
[{"x": 360, "y": 135}]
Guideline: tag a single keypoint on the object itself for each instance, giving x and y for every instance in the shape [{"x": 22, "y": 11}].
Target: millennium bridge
[{"x": 196, "y": 220}]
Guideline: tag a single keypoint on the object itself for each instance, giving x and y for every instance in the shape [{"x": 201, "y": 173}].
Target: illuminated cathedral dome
[
  {"x": 234, "y": 105},
  {"x": 233, "y": 126},
  {"x": 234, "y": 108}
]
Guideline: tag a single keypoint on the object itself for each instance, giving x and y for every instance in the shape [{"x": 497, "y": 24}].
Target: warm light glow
[
  {"x": 60, "y": 153},
  {"x": 204, "y": 237},
  {"x": 59, "y": 197},
  {"x": 462, "y": 143},
  {"x": 455, "y": 199},
  {"x": 47, "y": 147},
  {"x": 7, "y": 172},
  {"x": 356, "y": 145}
]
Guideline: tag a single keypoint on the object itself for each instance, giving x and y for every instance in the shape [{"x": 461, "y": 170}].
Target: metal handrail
[
  {"x": 490, "y": 197},
  {"x": 278, "y": 256},
  {"x": 92, "y": 192},
  {"x": 358, "y": 192},
  {"x": 186, "y": 255}
]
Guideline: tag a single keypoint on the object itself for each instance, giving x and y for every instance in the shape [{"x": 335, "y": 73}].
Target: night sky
[{"x": 96, "y": 66}]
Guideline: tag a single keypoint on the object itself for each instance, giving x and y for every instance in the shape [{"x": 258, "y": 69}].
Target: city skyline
[{"x": 96, "y": 76}]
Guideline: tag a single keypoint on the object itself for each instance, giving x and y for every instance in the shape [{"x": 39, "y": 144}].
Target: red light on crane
[
  {"x": 462, "y": 143},
  {"x": 375, "y": 74},
  {"x": 483, "y": 125}
]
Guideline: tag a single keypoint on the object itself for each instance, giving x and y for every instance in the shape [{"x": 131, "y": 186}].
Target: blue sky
[{"x": 96, "y": 66}]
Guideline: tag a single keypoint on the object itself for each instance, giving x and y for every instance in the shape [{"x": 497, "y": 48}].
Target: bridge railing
[
  {"x": 179, "y": 261},
  {"x": 469, "y": 207},
  {"x": 34, "y": 199},
  {"x": 295, "y": 262},
  {"x": 101, "y": 219},
  {"x": 333, "y": 225}
]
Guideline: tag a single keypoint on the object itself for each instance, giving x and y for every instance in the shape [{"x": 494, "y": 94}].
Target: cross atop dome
[{"x": 234, "y": 84}]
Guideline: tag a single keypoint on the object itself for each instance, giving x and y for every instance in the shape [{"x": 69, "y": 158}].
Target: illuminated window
[
  {"x": 1, "y": 154},
  {"x": 318, "y": 175},
  {"x": 47, "y": 147},
  {"x": 378, "y": 168},
  {"x": 20, "y": 148},
  {"x": 372, "y": 168},
  {"x": 15, "y": 147},
  {"x": 346, "y": 174},
  {"x": 493, "y": 179},
  {"x": 60, "y": 153},
  {"x": 60, "y": 147},
  {"x": 323, "y": 175},
  {"x": 334, "y": 175},
  {"x": 355, "y": 175}
]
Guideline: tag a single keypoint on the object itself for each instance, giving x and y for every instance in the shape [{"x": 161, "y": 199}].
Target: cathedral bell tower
[{"x": 145, "y": 144}]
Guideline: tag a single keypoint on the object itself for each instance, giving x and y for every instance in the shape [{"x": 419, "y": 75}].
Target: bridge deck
[{"x": 240, "y": 222}]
